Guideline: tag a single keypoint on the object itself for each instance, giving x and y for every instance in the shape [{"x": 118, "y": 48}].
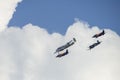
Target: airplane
[
  {"x": 99, "y": 34},
  {"x": 63, "y": 54},
  {"x": 68, "y": 44},
  {"x": 94, "y": 45}
]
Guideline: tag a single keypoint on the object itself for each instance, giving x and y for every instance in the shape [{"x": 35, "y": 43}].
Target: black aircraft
[
  {"x": 68, "y": 44},
  {"x": 94, "y": 45},
  {"x": 62, "y": 54},
  {"x": 99, "y": 34}
]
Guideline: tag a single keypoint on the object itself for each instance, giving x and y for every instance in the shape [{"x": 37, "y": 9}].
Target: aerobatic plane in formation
[
  {"x": 94, "y": 45},
  {"x": 99, "y": 34},
  {"x": 68, "y": 44},
  {"x": 62, "y": 54}
]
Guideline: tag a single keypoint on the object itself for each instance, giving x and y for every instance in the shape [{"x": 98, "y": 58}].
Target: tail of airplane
[
  {"x": 98, "y": 41},
  {"x": 74, "y": 39},
  {"x": 103, "y": 31}
]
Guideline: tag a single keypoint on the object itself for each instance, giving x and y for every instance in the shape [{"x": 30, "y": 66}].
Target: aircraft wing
[
  {"x": 70, "y": 43},
  {"x": 60, "y": 49}
]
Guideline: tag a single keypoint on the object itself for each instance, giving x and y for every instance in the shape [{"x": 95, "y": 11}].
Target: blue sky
[
  {"x": 58, "y": 15},
  {"x": 27, "y": 53}
]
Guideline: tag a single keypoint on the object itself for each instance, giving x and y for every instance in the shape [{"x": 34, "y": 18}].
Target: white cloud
[
  {"x": 7, "y": 8},
  {"x": 27, "y": 54}
]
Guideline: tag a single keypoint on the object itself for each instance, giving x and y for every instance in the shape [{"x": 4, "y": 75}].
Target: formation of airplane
[
  {"x": 72, "y": 42},
  {"x": 99, "y": 34}
]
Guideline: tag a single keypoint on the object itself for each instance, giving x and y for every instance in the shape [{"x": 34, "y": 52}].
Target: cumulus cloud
[
  {"x": 7, "y": 8},
  {"x": 27, "y": 53}
]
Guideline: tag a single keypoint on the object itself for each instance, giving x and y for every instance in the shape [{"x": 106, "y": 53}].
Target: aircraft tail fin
[{"x": 74, "y": 39}]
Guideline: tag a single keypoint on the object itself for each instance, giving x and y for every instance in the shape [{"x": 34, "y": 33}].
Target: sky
[
  {"x": 57, "y": 15},
  {"x": 27, "y": 50}
]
